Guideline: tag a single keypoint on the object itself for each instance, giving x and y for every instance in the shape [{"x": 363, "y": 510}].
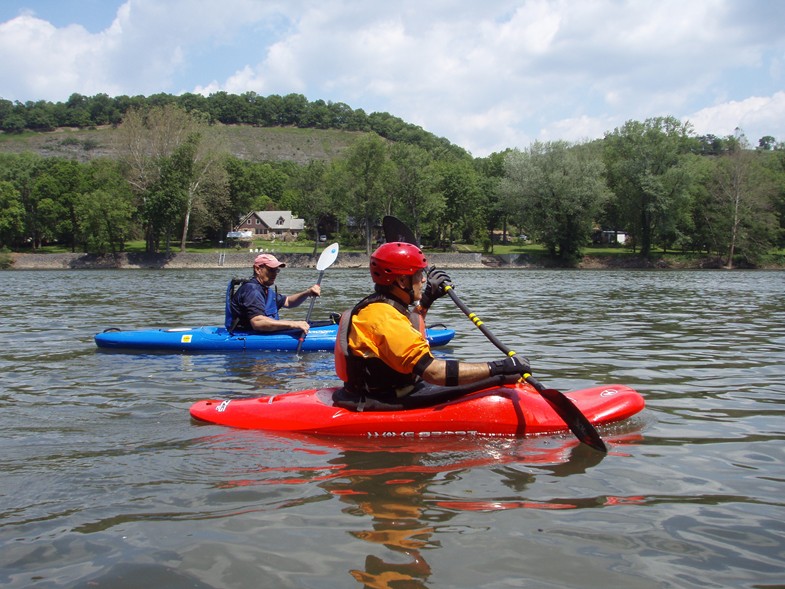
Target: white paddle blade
[{"x": 329, "y": 255}]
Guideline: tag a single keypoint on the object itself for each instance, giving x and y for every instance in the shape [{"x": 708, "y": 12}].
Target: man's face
[
  {"x": 266, "y": 275},
  {"x": 417, "y": 280}
]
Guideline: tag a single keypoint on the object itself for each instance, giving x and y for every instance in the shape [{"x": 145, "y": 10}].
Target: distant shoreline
[
  {"x": 136, "y": 261},
  {"x": 179, "y": 261}
]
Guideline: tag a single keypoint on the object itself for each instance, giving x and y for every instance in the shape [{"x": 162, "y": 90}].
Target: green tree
[
  {"x": 45, "y": 208},
  {"x": 558, "y": 190},
  {"x": 337, "y": 185},
  {"x": 644, "y": 170},
  {"x": 252, "y": 186},
  {"x": 368, "y": 175},
  {"x": 243, "y": 191},
  {"x": 65, "y": 183},
  {"x": 230, "y": 109},
  {"x": 40, "y": 115},
  {"x": 412, "y": 191},
  {"x": 105, "y": 219},
  {"x": 44, "y": 213},
  {"x": 742, "y": 206},
  {"x": 22, "y": 171},
  {"x": 295, "y": 109},
  {"x": 200, "y": 159},
  {"x": 702, "y": 235},
  {"x": 767, "y": 143},
  {"x": 463, "y": 217},
  {"x": 269, "y": 111},
  {"x": 12, "y": 215},
  {"x": 311, "y": 202},
  {"x": 168, "y": 140},
  {"x": 491, "y": 171},
  {"x": 167, "y": 198},
  {"x": 103, "y": 110},
  {"x": 75, "y": 112},
  {"x": 106, "y": 209},
  {"x": 775, "y": 164}
]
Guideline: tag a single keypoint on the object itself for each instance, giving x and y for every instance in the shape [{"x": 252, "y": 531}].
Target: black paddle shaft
[
  {"x": 395, "y": 230},
  {"x": 561, "y": 404}
]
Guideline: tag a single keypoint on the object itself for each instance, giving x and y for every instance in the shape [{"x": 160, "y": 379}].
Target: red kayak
[{"x": 508, "y": 410}]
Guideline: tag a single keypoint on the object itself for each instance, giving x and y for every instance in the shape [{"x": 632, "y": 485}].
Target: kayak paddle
[
  {"x": 328, "y": 257},
  {"x": 572, "y": 416},
  {"x": 396, "y": 230}
]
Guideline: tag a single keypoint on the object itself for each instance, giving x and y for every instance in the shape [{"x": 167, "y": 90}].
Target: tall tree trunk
[
  {"x": 368, "y": 236},
  {"x": 734, "y": 232},
  {"x": 186, "y": 221}
]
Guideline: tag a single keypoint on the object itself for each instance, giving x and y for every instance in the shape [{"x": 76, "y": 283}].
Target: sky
[{"x": 486, "y": 76}]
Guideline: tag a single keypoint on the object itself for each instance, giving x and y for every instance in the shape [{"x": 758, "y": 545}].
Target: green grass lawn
[
  {"x": 538, "y": 250},
  {"x": 776, "y": 257},
  {"x": 306, "y": 247}
]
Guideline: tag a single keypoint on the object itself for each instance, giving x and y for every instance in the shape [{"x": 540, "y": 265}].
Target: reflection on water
[
  {"x": 399, "y": 493},
  {"x": 392, "y": 498},
  {"x": 107, "y": 482},
  {"x": 393, "y": 491}
]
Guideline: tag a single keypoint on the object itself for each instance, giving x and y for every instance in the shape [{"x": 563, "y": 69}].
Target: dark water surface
[{"x": 106, "y": 482}]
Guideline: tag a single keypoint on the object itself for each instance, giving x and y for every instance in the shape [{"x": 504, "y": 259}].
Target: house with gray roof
[{"x": 272, "y": 224}]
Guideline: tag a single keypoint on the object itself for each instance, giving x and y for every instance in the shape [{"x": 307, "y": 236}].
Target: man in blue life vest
[
  {"x": 381, "y": 352},
  {"x": 256, "y": 303}
]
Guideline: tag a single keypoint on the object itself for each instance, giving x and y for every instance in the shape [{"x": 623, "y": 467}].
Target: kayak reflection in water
[
  {"x": 256, "y": 303},
  {"x": 381, "y": 353},
  {"x": 391, "y": 492}
]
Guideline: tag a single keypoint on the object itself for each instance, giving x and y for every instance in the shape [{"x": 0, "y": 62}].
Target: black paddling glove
[
  {"x": 435, "y": 288},
  {"x": 510, "y": 365}
]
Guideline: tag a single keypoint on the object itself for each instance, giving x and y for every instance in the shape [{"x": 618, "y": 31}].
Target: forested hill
[{"x": 255, "y": 128}]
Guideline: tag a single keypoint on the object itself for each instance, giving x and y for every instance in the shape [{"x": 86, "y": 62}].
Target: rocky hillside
[{"x": 243, "y": 141}]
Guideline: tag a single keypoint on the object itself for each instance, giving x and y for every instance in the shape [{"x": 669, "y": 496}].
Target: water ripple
[{"x": 106, "y": 478}]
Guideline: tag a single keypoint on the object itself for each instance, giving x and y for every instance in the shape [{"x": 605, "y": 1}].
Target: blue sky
[{"x": 485, "y": 75}]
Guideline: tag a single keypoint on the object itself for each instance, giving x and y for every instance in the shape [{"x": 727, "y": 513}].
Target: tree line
[{"x": 173, "y": 181}]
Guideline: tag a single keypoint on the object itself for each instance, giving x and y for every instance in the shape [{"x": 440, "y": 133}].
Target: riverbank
[
  {"x": 131, "y": 261},
  {"x": 134, "y": 261}
]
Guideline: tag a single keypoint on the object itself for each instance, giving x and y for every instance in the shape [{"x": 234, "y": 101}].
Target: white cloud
[
  {"x": 752, "y": 116},
  {"x": 486, "y": 76},
  {"x": 43, "y": 56}
]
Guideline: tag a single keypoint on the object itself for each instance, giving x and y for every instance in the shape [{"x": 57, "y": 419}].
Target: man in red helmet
[{"x": 382, "y": 354}]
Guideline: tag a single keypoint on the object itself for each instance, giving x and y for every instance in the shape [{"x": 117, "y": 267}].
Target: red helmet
[{"x": 396, "y": 259}]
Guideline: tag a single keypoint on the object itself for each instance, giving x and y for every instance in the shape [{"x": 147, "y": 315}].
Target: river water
[{"x": 106, "y": 482}]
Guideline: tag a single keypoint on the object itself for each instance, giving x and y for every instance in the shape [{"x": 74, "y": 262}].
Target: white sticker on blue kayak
[{"x": 186, "y": 339}]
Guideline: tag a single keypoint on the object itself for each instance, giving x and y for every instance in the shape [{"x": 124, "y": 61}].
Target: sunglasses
[{"x": 273, "y": 270}]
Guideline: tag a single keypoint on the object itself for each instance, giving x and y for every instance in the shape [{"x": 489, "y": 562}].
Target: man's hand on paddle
[
  {"x": 510, "y": 365},
  {"x": 438, "y": 280}
]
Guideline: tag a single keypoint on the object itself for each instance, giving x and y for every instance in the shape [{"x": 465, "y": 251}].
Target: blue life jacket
[
  {"x": 270, "y": 296},
  {"x": 229, "y": 321}
]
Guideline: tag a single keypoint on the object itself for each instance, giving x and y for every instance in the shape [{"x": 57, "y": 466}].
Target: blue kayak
[{"x": 218, "y": 339}]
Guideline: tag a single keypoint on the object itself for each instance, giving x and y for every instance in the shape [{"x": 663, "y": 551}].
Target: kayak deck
[{"x": 510, "y": 410}]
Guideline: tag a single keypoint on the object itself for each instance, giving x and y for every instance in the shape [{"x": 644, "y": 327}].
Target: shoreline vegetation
[
  {"x": 244, "y": 260},
  {"x": 88, "y": 175}
]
